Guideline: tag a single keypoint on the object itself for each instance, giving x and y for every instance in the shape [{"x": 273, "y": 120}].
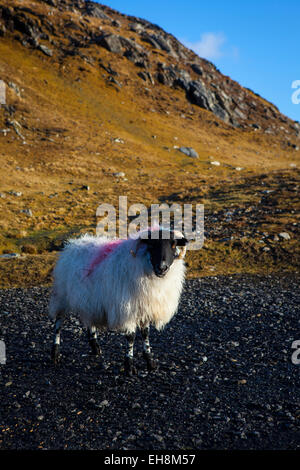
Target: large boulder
[
  {"x": 111, "y": 42},
  {"x": 159, "y": 42},
  {"x": 217, "y": 102},
  {"x": 183, "y": 80},
  {"x": 121, "y": 45},
  {"x": 197, "y": 69},
  {"x": 162, "y": 42},
  {"x": 167, "y": 74},
  {"x": 200, "y": 95}
]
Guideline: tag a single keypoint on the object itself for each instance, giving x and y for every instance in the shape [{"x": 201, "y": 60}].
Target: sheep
[{"x": 119, "y": 285}]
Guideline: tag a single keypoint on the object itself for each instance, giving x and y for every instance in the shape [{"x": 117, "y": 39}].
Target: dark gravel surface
[{"x": 225, "y": 379}]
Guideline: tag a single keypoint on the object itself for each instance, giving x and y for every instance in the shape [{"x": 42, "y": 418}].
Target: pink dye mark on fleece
[{"x": 104, "y": 251}]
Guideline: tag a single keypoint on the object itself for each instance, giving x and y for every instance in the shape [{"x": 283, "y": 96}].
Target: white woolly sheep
[{"x": 120, "y": 285}]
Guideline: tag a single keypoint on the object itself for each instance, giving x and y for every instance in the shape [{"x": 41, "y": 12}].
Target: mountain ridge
[{"x": 200, "y": 80}]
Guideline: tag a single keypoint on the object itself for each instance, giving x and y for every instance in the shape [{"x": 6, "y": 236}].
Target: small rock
[
  {"x": 116, "y": 23},
  {"x": 45, "y": 50},
  {"x": 16, "y": 126},
  {"x": 10, "y": 255},
  {"x": 120, "y": 174},
  {"x": 104, "y": 403},
  {"x": 136, "y": 27},
  {"x": 113, "y": 80},
  {"x": 27, "y": 212},
  {"x": 215, "y": 163},
  {"x": 136, "y": 406},
  {"x": 14, "y": 87},
  {"x": 189, "y": 151},
  {"x": 284, "y": 235}
]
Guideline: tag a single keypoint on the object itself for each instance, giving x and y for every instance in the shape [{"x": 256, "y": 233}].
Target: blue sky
[{"x": 256, "y": 43}]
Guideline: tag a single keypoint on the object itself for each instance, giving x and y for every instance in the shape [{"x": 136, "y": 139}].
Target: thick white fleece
[{"x": 121, "y": 292}]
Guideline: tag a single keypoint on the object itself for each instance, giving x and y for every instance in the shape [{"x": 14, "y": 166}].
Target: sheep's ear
[{"x": 180, "y": 252}]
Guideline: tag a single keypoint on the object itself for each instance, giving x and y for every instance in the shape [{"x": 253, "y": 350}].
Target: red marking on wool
[{"x": 104, "y": 251}]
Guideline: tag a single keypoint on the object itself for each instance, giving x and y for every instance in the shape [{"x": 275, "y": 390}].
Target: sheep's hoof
[
  {"x": 55, "y": 356},
  {"x": 150, "y": 361},
  {"x": 96, "y": 351},
  {"x": 130, "y": 369}
]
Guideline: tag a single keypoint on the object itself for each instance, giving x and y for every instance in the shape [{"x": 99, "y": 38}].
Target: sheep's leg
[
  {"x": 92, "y": 336},
  {"x": 129, "y": 367},
  {"x": 56, "y": 340},
  {"x": 148, "y": 356}
]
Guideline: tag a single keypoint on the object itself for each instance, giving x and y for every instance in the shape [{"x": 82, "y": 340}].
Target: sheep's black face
[{"x": 163, "y": 252}]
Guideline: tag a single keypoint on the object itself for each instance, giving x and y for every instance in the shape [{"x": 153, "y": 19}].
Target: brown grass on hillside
[{"x": 70, "y": 116}]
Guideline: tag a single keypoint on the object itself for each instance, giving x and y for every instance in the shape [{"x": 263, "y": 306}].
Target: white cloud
[{"x": 209, "y": 46}]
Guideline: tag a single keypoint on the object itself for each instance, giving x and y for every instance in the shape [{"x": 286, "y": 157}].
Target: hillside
[{"x": 98, "y": 104}]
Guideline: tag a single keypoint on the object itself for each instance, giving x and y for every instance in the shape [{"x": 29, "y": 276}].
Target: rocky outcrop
[
  {"x": 158, "y": 41},
  {"x": 121, "y": 45},
  {"x": 164, "y": 60},
  {"x": 95, "y": 10},
  {"x": 202, "y": 96},
  {"x": 197, "y": 91}
]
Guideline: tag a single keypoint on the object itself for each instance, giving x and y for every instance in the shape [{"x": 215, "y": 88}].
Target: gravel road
[{"x": 226, "y": 379}]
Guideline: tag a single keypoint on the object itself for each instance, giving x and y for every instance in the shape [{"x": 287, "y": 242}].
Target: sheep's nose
[{"x": 161, "y": 269}]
